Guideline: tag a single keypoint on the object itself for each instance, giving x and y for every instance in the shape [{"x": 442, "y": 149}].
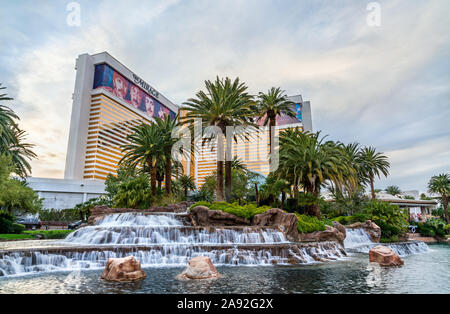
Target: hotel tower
[{"x": 109, "y": 100}]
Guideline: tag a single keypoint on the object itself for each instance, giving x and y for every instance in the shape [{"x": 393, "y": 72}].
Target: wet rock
[
  {"x": 330, "y": 234},
  {"x": 277, "y": 218},
  {"x": 384, "y": 256},
  {"x": 199, "y": 267},
  {"x": 370, "y": 227},
  {"x": 203, "y": 216},
  {"x": 123, "y": 269},
  {"x": 340, "y": 227}
]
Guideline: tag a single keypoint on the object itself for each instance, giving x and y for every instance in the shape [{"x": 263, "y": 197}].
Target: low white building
[{"x": 63, "y": 193}]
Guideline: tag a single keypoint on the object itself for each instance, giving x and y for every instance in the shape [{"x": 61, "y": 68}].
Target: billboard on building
[
  {"x": 285, "y": 119},
  {"x": 108, "y": 78}
]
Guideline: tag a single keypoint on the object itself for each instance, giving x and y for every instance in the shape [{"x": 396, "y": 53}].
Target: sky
[{"x": 385, "y": 85}]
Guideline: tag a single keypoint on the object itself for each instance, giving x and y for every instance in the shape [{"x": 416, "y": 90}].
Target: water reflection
[{"x": 422, "y": 273}]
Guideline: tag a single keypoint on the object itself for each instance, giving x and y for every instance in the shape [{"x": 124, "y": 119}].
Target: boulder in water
[
  {"x": 370, "y": 227},
  {"x": 199, "y": 267},
  {"x": 384, "y": 256},
  {"x": 123, "y": 269},
  {"x": 203, "y": 216},
  {"x": 275, "y": 217}
]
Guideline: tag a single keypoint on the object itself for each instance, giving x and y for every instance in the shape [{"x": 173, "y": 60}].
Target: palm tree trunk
[
  {"x": 219, "y": 188},
  {"x": 228, "y": 193},
  {"x": 272, "y": 123},
  {"x": 256, "y": 193},
  {"x": 168, "y": 175},
  {"x": 445, "y": 204},
  {"x": 159, "y": 184},
  {"x": 153, "y": 169},
  {"x": 316, "y": 205},
  {"x": 372, "y": 189},
  {"x": 219, "y": 185}
]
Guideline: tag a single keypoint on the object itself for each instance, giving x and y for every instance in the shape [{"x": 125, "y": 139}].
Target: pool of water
[{"x": 422, "y": 273}]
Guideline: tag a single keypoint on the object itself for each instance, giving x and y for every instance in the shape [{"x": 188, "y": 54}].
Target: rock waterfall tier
[
  {"x": 360, "y": 241},
  {"x": 166, "y": 240}
]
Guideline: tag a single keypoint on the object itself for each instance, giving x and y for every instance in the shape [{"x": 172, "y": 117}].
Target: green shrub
[
  {"x": 17, "y": 228},
  {"x": 392, "y": 219},
  {"x": 307, "y": 224},
  {"x": 49, "y": 234},
  {"x": 348, "y": 220},
  {"x": 291, "y": 205},
  {"x": 134, "y": 193},
  {"x": 64, "y": 215},
  {"x": 244, "y": 211},
  {"x": 200, "y": 203},
  {"x": 6, "y": 222},
  {"x": 432, "y": 228},
  {"x": 391, "y": 239}
]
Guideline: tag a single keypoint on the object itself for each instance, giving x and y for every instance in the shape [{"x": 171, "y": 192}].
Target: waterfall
[
  {"x": 359, "y": 241},
  {"x": 357, "y": 237},
  {"x": 132, "y": 228},
  {"x": 20, "y": 263},
  {"x": 166, "y": 240}
]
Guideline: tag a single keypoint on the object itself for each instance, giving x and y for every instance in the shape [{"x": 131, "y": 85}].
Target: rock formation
[
  {"x": 330, "y": 234},
  {"x": 123, "y": 269},
  {"x": 199, "y": 267},
  {"x": 384, "y": 256},
  {"x": 203, "y": 216},
  {"x": 370, "y": 227},
  {"x": 276, "y": 218}
]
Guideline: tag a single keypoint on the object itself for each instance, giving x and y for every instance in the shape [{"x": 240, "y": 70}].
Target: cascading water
[
  {"x": 356, "y": 237},
  {"x": 166, "y": 240},
  {"x": 126, "y": 229},
  {"x": 359, "y": 241}
]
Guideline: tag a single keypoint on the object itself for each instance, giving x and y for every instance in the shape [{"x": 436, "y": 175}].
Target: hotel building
[{"x": 108, "y": 101}]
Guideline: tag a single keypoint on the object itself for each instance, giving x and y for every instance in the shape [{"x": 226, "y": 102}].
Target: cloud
[{"x": 383, "y": 86}]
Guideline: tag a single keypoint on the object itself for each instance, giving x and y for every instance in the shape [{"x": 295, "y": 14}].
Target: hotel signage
[
  {"x": 145, "y": 86},
  {"x": 137, "y": 93}
]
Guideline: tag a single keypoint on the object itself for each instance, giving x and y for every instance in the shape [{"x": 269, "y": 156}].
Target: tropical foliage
[
  {"x": 225, "y": 103},
  {"x": 310, "y": 162},
  {"x": 441, "y": 185},
  {"x": 12, "y": 140},
  {"x": 245, "y": 211},
  {"x": 16, "y": 197},
  {"x": 271, "y": 105},
  {"x": 393, "y": 190}
]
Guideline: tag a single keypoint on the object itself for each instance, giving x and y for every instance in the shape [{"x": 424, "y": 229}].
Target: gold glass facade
[
  {"x": 253, "y": 152},
  {"x": 109, "y": 124}
]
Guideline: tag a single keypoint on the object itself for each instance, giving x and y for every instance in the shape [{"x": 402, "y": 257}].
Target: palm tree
[
  {"x": 20, "y": 152},
  {"x": 12, "y": 140},
  {"x": 144, "y": 150},
  {"x": 441, "y": 185},
  {"x": 165, "y": 127},
  {"x": 373, "y": 164},
  {"x": 186, "y": 183},
  {"x": 310, "y": 162},
  {"x": 225, "y": 103},
  {"x": 271, "y": 105},
  {"x": 393, "y": 190}
]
